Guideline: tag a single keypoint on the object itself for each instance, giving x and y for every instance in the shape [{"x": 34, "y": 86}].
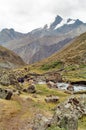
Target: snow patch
[
  {"x": 64, "y": 21},
  {"x": 71, "y": 22}
]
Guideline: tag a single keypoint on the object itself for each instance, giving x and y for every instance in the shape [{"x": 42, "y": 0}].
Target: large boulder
[
  {"x": 6, "y": 94},
  {"x": 31, "y": 89},
  {"x": 9, "y": 79},
  {"x": 69, "y": 122},
  {"x": 41, "y": 122},
  {"x": 52, "y": 99},
  {"x": 70, "y": 87},
  {"x": 68, "y": 113},
  {"x": 51, "y": 84}
]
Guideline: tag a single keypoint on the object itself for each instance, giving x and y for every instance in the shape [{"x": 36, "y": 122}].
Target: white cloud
[{"x": 25, "y": 15}]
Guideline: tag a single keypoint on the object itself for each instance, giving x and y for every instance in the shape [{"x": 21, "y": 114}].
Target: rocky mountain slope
[
  {"x": 71, "y": 61},
  {"x": 38, "y": 44},
  {"x": 8, "y": 35},
  {"x": 74, "y": 53},
  {"x": 9, "y": 59}
]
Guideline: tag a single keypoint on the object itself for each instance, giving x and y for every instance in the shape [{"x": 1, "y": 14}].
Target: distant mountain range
[
  {"x": 43, "y": 42},
  {"x": 74, "y": 53},
  {"x": 7, "y": 35}
]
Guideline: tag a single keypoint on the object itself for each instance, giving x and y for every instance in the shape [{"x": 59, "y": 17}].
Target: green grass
[
  {"x": 56, "y": 64},
  {"x": 53, "y": 127},
  {"x": 82, "y": 123},
  {"x": 44, "y": 90}
]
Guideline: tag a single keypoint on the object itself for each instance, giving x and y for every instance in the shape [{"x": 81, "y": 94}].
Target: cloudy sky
[{"x": 25, "y": 15}]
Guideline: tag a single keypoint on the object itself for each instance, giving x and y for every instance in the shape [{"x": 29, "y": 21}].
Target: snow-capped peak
[
  {"x": 65, "y": 22},
  {"x": 59, "y": 22}
]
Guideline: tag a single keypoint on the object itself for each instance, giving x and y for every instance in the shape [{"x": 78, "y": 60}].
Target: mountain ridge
[
  {"x": 32, "y": 45},
  {"x": 70, "y": 61},
  {"x": 7, "y": 35},
  {"x": 9, "y": 59}
]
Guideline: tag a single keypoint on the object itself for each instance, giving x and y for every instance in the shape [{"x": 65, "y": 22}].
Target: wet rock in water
[
  {"x": 41, "y": 123},
  {"x": 52, "y": 98},
  {"x": 51, "y": 84},
  {"x": 31, "y": 89},
  {"x": 70, "y": 87}
]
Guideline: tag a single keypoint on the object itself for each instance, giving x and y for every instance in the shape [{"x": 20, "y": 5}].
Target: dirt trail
[{"x": 22, "y": 119}]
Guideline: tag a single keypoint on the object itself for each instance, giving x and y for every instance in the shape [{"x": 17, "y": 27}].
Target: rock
[
  {"x": 67, "y": 113},
  {"x": 51, "y": 84},
  {"x": 69, "y": 122},
  {"x": 9, "y": 95},
  {"x": 68, "y": 92},
  {"x": 24, "y": 90},
  {"x": 30, "y": 81},
  {"x": 70, "y": 87},
  {"x": 16, "y": 92},
  {"x": 54, "y": 76},
  {"x": 31, "y": 89},
  {"x": 5, "y": 94},
  {"x": 51, "y": 98},
  {"x": 41, "y": 123},
  {"x": 9, "y": 79},
  {"x": 21, "y": 80}
]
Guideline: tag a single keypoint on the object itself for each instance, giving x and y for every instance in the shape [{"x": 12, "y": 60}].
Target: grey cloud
[{"x": 25, "y": 15}]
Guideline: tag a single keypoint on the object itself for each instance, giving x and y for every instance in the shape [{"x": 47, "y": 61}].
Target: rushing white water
[
  {"x": 76, "y": 87},
  {"x": 64, "y": 86}
]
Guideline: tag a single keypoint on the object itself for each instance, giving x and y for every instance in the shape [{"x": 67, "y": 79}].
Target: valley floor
[{"x": 19, "y": 112}]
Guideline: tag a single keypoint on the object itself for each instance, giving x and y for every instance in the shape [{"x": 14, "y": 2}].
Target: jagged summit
[
  {"x": 57, "y": 21},
  {"x": 42, "y": 42}
]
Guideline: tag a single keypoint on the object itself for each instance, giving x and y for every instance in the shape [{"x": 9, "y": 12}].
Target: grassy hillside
[
  {"x": 9, "y": 59},
  {"x": 71, "y": 61},
  {"x": 19, "y": 112}
]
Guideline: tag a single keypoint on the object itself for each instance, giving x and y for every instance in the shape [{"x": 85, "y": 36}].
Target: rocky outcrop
[
  {"x": 68, "y": 113},
  {"x": 69, "y": 122},
  {"x": 54, "y": 76},
  {"x": 9, "y": 79},
  {"x": 51, "y": 84},
  {"x": 41, "y": 123}
]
